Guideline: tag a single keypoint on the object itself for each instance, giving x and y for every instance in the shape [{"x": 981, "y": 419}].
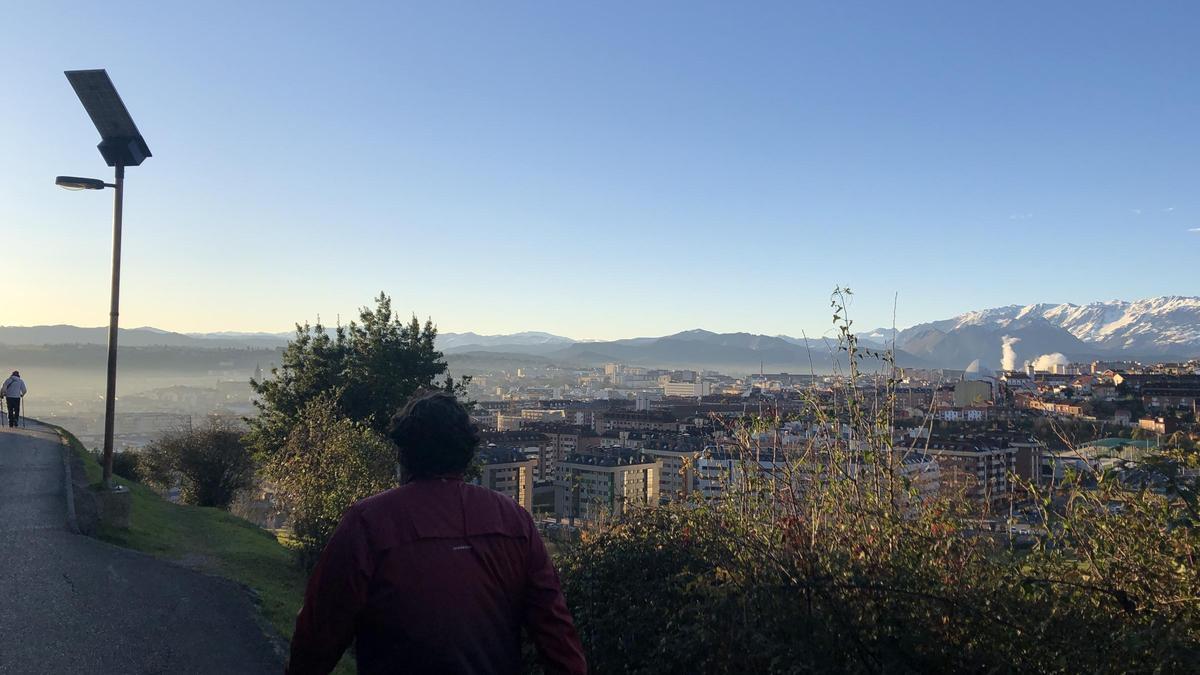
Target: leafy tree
[
  {"x": 388, "y": 361},
  {"x": 1099, "y": 409},
  {"x": 211, "y": 464},
  {"x": 327, "y": 463},
  {"x": 364, "y": 371}
]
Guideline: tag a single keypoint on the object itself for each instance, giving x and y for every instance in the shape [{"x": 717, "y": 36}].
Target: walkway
[{"x": 73, "y": 604}]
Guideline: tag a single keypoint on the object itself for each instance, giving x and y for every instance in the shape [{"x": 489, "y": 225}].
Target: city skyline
[{"x": 601, "y": 174}]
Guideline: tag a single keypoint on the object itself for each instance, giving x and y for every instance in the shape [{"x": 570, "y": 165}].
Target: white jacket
[{"x": 14, "y": 387}]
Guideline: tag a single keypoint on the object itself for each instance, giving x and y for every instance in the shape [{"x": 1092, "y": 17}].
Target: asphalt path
[{"x": 73, "y": 604}]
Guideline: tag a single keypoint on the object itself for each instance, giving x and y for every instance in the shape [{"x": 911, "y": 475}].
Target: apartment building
[
  {"x": 510, "y": 472},
  {"x": 678, "y": 456},
  {"x": 562, "y": 441},
  {"x": 596, "y": 485},
  {"x": 509, "y": 421},
  {"x": 687, "y": 389},
  {"x": 544, "y": 415},
  {"x": 635, "y": 420},
  {"x": 979, "y": 468},
  {"x": 532, "y": 444}
]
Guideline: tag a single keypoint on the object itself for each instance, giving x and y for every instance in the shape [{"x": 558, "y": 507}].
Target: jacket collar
[{"x": 439, "y": 476}]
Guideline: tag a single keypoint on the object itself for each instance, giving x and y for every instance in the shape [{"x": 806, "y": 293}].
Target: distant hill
[
  {"x": 481, "y": 362},
  {"x": 530, "y": 342},
  {"x": 729, "y": 352},
  {"x": 134, "y": 337},
  {"x": 530, "y": 338},
  {"x": 1165, "y": 328}
]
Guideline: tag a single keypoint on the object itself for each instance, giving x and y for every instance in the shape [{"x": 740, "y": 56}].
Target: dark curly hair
[{"x": 435, "y": 435}]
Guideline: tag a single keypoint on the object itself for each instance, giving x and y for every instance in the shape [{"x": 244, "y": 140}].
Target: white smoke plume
[
  {"x": 1046, "y": 362},
  {"x": 1008, "y": 356}
]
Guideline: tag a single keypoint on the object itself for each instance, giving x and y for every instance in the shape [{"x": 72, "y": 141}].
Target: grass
[{"x": 211, "y": 541}]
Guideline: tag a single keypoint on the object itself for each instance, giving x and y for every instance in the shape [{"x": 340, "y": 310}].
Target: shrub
[
  {"x": 327, "y": 464},
  {"x": 126, "y": 464},
  {"x": 211, "y": 464},
  {"x": 717, "y": 590}
]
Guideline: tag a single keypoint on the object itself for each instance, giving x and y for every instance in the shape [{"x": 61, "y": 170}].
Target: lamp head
[{"x": 76, "y": 183}]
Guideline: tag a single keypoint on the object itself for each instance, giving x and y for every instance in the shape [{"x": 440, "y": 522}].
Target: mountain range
[
  {"x": 136, "y": 337},
  {"x": 1164, "y": 328}
]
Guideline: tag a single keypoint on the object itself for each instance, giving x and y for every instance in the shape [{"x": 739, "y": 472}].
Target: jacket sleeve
[
  {"x": 547, "y": 618},
  {"x": 336, "y": 593}
]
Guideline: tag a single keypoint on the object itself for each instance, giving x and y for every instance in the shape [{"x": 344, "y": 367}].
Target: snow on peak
[{"x": 1150, "y": 324}]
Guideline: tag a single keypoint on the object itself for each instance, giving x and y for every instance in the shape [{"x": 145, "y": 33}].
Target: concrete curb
[{"x": 68, "y": 484}]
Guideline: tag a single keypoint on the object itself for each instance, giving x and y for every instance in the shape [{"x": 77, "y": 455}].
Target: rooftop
[
  {"x": 611, "y": 457},
  {"x": 502, "y": 456}
]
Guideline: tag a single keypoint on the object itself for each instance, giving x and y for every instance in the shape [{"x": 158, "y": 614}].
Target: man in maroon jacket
[{"x": 435, "y": 576}]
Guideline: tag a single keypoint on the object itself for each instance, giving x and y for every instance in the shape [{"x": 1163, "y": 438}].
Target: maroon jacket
[{"x": 437, "y": 576}]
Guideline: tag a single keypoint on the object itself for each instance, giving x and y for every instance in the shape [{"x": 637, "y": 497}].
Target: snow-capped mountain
[
  {"x": 460, "y": 341},
  {"x": 879, "y": 338},
  {"x": 1168, "y": 325},
  {"x": 1153, "y": 325},
  {"x": 1163, "y": 323}
]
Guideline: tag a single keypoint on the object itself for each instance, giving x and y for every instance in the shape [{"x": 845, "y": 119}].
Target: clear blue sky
[{"x": 603, "y": 169}]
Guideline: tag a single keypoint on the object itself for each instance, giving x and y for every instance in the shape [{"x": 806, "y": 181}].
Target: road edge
[{"x": 68, "y": 484}]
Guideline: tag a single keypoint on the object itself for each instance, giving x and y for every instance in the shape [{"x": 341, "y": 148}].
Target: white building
[{"x": 687, "y": 389}]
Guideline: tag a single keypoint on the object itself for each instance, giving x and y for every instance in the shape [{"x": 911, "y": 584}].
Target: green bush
[
  {"x": 210, "y": 464},
  {"x": 327, "y": 464},
  {"x": 702, "y": 589},
  {"x": 126, "y": 464}
]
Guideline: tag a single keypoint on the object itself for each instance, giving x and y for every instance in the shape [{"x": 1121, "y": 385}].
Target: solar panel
[
  {"x": 103, "y": 104},
  {"x": 120, "y": 140}
]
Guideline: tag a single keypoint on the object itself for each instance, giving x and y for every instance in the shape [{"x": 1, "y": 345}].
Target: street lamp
[
  {"x": 121, "y": 145},
  {"x": 77, "y": 183}
]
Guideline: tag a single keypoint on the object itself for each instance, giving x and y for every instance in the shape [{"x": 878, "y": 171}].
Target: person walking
[
  {"x": 13, "y": 390},
  {"x": 437, "y": 575}
]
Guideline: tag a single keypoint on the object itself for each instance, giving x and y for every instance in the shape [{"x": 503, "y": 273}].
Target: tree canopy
[{"x": 365, "y": 371}]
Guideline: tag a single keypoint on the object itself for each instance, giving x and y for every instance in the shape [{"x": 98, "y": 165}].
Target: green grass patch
[{"x": 212, "y": 541}]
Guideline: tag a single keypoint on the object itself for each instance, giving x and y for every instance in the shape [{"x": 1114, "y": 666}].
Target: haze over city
[{"x": 604, "y": 171}]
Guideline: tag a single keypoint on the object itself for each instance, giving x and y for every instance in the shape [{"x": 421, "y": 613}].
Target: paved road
[{"x": 73, "y": 604}]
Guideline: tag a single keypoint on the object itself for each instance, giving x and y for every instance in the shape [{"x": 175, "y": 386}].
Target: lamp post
[{"x": 121, "y": 145}]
